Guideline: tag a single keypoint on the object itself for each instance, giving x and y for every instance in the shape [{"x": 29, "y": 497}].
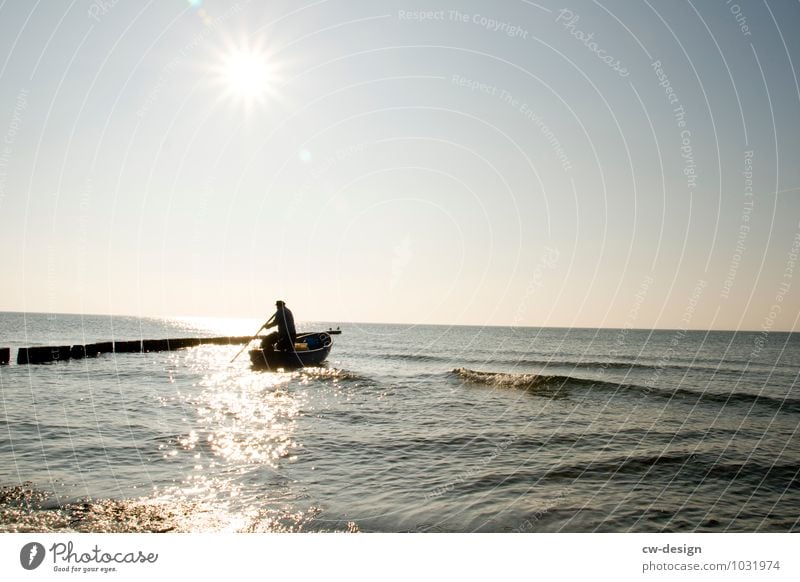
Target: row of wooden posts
[{"x": 47, "y": 354}]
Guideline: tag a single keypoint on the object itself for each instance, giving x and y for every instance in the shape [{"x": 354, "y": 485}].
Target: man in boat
[{"x": 284, "y": 338}]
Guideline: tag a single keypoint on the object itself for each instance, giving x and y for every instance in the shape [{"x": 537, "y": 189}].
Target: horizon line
[{"x": 512, "y": 326}]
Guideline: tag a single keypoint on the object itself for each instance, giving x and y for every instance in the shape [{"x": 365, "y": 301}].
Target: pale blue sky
[{"x": 481, "y": 165}]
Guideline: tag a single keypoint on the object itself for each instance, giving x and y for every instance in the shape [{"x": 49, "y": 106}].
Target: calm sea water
[{"x": 407, "y": 428}]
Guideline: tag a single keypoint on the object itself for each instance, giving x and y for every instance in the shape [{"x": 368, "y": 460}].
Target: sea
[{"x": 406, "y": 428}]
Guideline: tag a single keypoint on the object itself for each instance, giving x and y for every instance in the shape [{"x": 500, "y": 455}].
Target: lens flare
[{"x": 248, "y": 75}]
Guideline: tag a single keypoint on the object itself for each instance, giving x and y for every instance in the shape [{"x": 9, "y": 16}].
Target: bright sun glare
[{"x": 248, "y": 75}]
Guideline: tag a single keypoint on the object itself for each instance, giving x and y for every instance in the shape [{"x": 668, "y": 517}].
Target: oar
[{"x": 248, "y": 341}]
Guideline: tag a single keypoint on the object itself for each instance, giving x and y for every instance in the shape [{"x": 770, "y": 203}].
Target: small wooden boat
[{"x": 310, "y": 349}]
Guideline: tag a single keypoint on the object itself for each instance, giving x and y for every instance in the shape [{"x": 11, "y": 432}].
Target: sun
[{"x": 247, "y": 75}]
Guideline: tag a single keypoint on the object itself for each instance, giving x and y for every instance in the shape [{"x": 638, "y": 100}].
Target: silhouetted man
[{"x": 286, "y": 333}]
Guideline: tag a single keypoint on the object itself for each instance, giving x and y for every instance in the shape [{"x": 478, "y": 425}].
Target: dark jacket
[{"x": 287, "y": 333}]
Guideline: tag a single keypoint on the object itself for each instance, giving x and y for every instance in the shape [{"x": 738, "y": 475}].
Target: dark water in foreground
[{"x": 407, "y": 428}]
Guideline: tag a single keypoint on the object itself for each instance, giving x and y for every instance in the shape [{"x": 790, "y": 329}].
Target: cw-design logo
[{"x": 31, "y": 555}]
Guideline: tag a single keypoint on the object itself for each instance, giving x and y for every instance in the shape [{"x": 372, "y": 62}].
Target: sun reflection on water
[
  {"x": 223, "y": 326},
  {"x": 242, "y": 427},
  {"x": 227, "y": 440}
]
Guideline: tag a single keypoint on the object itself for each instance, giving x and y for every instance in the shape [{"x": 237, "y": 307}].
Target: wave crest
[
  {"x": 558, "y": 384},
  {"x": 335, "y": 374},
  {"x": 530, "y": 382}
]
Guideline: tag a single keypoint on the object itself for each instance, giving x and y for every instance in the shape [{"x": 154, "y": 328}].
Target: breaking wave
[
  {"x": 554, "y": 383},
  {"x": 335, "y": 374}
]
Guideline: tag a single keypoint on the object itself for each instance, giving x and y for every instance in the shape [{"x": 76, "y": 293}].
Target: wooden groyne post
[{"x": 47, "y": 354}]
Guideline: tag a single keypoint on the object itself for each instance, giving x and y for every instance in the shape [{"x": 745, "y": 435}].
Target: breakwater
[{"x": 48, "y": 354}]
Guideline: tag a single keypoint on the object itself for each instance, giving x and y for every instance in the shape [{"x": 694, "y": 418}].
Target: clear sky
[{"x": 594, "y": 164}]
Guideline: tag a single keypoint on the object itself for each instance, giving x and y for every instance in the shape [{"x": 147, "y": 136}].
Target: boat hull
[{"x": 274, "y": 359}]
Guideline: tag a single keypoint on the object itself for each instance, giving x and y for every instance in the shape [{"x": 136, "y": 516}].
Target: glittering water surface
[{"x": 406, "y": 428}]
